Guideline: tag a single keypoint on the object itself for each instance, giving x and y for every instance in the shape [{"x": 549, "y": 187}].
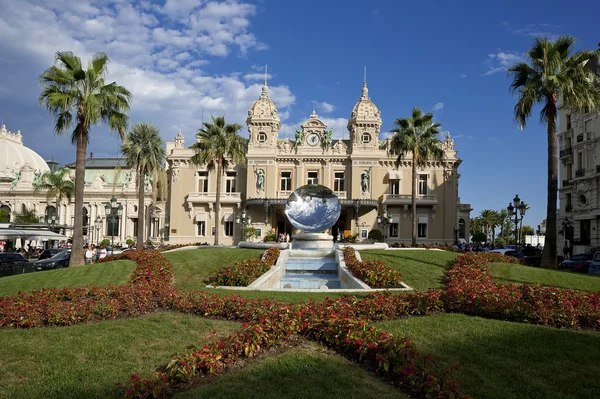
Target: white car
[{"x": 505, "y": 251}]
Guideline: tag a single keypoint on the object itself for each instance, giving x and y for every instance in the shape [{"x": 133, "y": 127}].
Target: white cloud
[
  {"x": 534, "y": 30},
  {"x": 325, "y": 107},
  {"x": 158, "y": 60},
  {"x": 463, "y": 75},
  {"x": 458, "y": 136},
  {"x": 249, "y": 77},
  {"x": 437, "y": 107},
  {"x": 501, "y": 61}
]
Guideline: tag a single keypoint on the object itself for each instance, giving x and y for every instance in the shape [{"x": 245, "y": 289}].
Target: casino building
[{"x": 360, "y": 171}]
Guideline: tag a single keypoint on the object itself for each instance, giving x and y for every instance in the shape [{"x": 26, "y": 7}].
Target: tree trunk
[
  {"x": 549, "y": 254},
  {"x": 77, "y": 247},
  {"x": 414, "y": 201},
  {"x": 218, "y": 200},
  {"x": 141, "y": 209}
]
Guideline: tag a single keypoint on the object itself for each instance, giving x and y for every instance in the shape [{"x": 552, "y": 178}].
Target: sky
[{"x": 185, "y": 60}]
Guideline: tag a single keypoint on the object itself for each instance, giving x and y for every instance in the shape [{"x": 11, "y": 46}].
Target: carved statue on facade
[
  {"x": 260, "y": 180},
  {"x": 364, "y": 181},
  {"x": 16, "y": 178},
  {"x": 298, "y": 139},
  {"x": 147, "y": 182},
  {"x": 37, "y": 179},
  {"x": 127, "y": 179}
]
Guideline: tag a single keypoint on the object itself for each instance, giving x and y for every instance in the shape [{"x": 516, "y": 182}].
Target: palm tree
[
  {"x": 495, "y": 223},
  {"x": 218, "y": 144},
  {"x": 417, "y": 135},
  {"x": 551, "y": 73},
  {"x": 57, "y": 185},
  {"x": 143, "y": 151},
  {"x": 503, "y": 218},
  {"x": 71, "y": 92},
  {"x": 26, "y": 216},
  {"x": 488, "y": 218}
]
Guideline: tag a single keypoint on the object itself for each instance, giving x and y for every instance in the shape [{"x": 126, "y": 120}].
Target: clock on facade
[{"x": 313, "y": 139}]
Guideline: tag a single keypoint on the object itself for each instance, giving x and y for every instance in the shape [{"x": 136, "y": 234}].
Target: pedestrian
[
  {"x": 102, "y": 252},
  {"x": 570, "y": 251},
  {"x": 566, "y": 251},
  {"x": 88, "y": 255}
]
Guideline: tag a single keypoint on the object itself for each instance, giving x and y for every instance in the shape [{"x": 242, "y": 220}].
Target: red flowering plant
[
  {"x": 244, "y": 272},
  {"x": 374, "y": 273}
]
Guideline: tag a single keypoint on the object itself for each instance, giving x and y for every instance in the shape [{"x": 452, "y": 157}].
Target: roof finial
[
  {"x": 265, "y": 88},
  {"x": 365, "y": 91},
  {"x": 365, "y": 77},
  {"x": 266, "y": 66}
]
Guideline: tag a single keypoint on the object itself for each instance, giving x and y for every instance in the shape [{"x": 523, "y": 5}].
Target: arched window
[
  {"x": 50, "y": 211},
  {"x": 5, "y": 215},
  {"x": 461, "y": 228},
  {"x": 86, "y": 221}
]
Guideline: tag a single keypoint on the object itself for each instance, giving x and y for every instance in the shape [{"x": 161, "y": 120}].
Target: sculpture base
[{"x": 312, "y": 241}]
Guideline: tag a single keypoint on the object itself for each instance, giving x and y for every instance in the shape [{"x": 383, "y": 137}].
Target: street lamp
[
  {"x": 516, "y": 210},
  {"x": 98, "y": 223},
  {"x": 91, "y": 229},
  {"x": 384, "y": 221},
  {"x": 244, "y": 219},
  {"x": 108, "y": 207}
]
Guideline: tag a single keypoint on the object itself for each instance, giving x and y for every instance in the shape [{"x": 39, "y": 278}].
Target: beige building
[
  {"x": 360, "y": 171},
  {"x": 579, "y": 185},
  {"x": 20, "y": 172}
]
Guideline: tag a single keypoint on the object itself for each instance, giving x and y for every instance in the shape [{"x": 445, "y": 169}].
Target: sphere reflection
[{"x": 313, "y": 208}]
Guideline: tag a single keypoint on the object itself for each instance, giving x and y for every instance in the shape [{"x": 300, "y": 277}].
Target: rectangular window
[
  {"x": 135, "y": 228},
  {"x": 213, "y": 231},
  {"x": 201, "y": 228},
  {"x": 229, "y": 229},
  {"x": 230, "y": 182},
  {"x": 286, "y": 181},
  {"x": 203, "y": 182},
  {"x": 395, "y": 186},
  {"x": 569, "y": 171},
  {"x": 394, "y": 230},
  {"x": 569, "y": 200},
  {"x": 313, "y": 177},
  {"x": 580, "y": 160},
  {"x": 568, "y": 121},
  {"x": 422, "y": 184},
  {"x": 422, "y": 227},
  {"x": 338, "y": 181}
]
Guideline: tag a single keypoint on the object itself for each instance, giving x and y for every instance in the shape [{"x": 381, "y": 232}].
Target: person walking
[
  {"x": 88, "y": 255},
  {"x": 102, "y": 252}
]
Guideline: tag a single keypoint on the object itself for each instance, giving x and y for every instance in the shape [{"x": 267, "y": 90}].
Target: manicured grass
[
  {"x": 422, "y": 269},
  {"x": 111, "y": 273},
  {"x": 510, "y": 273},
  {"x": 85, "y": 361},
  {"x": 499, "y": 359},
  {"x": 308, "y": 371}
]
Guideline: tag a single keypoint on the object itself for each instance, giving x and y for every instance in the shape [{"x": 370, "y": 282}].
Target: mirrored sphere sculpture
[{"x": 313, "y": 208}]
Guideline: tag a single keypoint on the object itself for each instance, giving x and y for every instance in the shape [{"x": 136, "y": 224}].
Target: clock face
[{"x": 313, "y": 139}]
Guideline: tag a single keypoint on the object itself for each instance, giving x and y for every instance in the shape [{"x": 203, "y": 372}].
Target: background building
[
  {"x": 21, "y": 170},
  {"x": 359, "y": 170},
  {"x": 579, "y": 185}
]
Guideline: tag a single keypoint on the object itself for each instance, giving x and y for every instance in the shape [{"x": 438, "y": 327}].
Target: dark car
[
  {"x": 578, "y": 263},
  {"x": 13, "y": 263},
  {"x": 531, "y": 256},
  {"x": 48, "y": 253},
  {"x": 58, "y": 261}
]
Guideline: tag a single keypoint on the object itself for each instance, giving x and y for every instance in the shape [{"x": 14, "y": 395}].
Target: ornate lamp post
[
  {"x": 384, "y": 221},
  {"x": 516, "y": 211},
  {"x": 244, "y": 219},
  {"x": 98, "y": 223},
  {"x": 108, "y": 207}
]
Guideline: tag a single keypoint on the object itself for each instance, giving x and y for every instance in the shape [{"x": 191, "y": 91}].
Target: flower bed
[
  {"x": 471, "y": 290},
  {"x": 374, "y": 273},
  {"x": 244, "y": 272}
]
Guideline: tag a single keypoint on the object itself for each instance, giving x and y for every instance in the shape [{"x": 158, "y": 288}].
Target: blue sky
[{"x": 185, "y": 58}]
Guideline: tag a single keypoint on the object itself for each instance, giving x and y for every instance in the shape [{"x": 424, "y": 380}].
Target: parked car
[
  {"x": 531, "y": 256},
  {"x": 578, "y": 263},
  {"x": 13, "y": 263},
  {"x": 505, "y": 251},
  {"x": 48, "y": 253},
  {"x": 594, "y": 267},
  {"x": 58, "y": 261}
]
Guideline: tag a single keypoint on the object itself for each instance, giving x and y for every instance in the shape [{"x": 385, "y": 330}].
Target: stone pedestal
[{"x": 321, "y": 241}]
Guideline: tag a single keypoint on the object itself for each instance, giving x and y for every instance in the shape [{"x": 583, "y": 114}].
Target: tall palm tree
[
  {"x": 218, "y": 144},
  {"x": 143, "y": 151},
  {"x": 488, "y": 218},
  {"x": 417, "y": 135},
  {"x": 551, "y": 73},
  {"x": 495, "y": 223},
  {"x": 476, "y": 227},
  {"x": 57, "y": 185},
  {"x": 503, "y": 217},
  {"x": 81, "y": 97}
]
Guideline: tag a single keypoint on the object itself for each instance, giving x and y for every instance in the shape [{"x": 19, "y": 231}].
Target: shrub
[
  {"x": 352, "y": 238},
  {"x": 270, "y": 236},
  {"x": 375, "y": 235},
  {"x": 244, "y": 272},
  {"x": 373, "y": 272},
  {"x": 250, "y": 232},
  {"x": 130, "y": 242},
  {"x": 105, "y": 243}
]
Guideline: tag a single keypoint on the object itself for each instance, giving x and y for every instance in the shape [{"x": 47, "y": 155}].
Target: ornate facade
[
  {"x": 360, "y": 171},
  {"x": 21, "y": 170}
]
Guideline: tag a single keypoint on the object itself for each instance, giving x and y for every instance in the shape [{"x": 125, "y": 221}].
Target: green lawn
[
  {"x": 421, "y": 269},
  {"x": 85, "y": 361},
  {"x": 509, "y": 273},
  {"x": 110, "y": 273},
  {"x": 309, "y": 371},
  {"x": 499, "y": 359}
]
